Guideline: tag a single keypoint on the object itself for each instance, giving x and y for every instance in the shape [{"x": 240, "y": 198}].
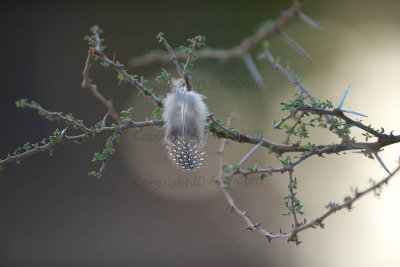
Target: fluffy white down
[{"x": 185, "y": 115}]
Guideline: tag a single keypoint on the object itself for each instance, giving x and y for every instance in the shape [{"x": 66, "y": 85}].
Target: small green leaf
[{"x": 159, "y": 35}]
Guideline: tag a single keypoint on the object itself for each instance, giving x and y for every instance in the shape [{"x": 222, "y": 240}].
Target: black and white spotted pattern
[{"x": 186, "y": 155}]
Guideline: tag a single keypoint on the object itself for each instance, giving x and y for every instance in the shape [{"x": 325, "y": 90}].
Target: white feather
[{"x": 185, "y": 116}]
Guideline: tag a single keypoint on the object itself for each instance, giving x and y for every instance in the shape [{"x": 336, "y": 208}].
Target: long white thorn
[
  {"x": 344, "y": 96},
  {"x": 352, "y": 111},
  {"x": 381, "y": 162}
]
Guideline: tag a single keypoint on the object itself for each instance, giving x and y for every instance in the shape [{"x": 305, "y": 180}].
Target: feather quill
[{"x": 185, "y": 116}]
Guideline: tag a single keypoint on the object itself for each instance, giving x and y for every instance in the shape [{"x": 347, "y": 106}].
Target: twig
[
  {"x": 173, "y": 58},
  {"x": 321, "y": 149},
  {"x": 78, "y": 139},
  {"x": 250, "y": 225},
  {"x": 293, "y": 128},
  {"x": 226, "y": 133},
  {"x": 287, "y": 72},
  {"x": 96, "y": 32},
  {"x": 339, "y": 113},
  {"x": 296, "y": 82},
  {"x": 130, "y": 78},
  {"x": 223, "y": 54},
  {"x": 292, "y": 206},
  {"x": 299, "y": 227},
  {"x": 291, "y": 114},
  {"x": 113, "y": 138},
  {"x": 283, "y": 169},
  {"x": 242, "y": 138},
  {"x": 93, "y": 87},
  {"x": 167, "y": 74},
  {"x": 190, "y": 54},
  {"x": 348, "y": 203},
  {"x": 55, "y": 115}
]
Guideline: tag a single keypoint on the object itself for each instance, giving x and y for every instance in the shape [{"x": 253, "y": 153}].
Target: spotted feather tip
[{"x": 185, "y": 116}]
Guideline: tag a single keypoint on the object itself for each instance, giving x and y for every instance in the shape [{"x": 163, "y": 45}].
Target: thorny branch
[
  {"x": 130, "y": 78},
  {"x": 224, "y": 54},
  {"x": 293, "y": 205},
  {"x": 348, "y": 203},
  {"x": 87, "y": 82},
  {"x": 339, "y": 113},
  {"x": 173, "y": 58},
  {"x": 224, "y": 185},
  {"x": 288, "y": 166},
  {"x": 95, "y": 53},
  {"x": 287, "y": 72},
  {"x": 298, "y": 227},
  {"x": 55, "y": 115},
  {"x": 226, "y": 132},
  {"x": 63, "y": 138},
  {"x": 110, "y": 147},
  {"x": 276, "y": 148},
  {"x": 190, "y": 55},
  {"x": 293, "y": 79}
]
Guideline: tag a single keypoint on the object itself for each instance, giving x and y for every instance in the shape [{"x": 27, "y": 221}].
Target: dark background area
[{"x": 53, "y": 214}]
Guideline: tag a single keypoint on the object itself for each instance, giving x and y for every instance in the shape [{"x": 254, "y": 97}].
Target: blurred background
[{"x": 142, "y": 212}]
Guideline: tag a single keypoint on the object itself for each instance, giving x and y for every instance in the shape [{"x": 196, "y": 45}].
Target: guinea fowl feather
[{"x": 185, "y": 116}]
